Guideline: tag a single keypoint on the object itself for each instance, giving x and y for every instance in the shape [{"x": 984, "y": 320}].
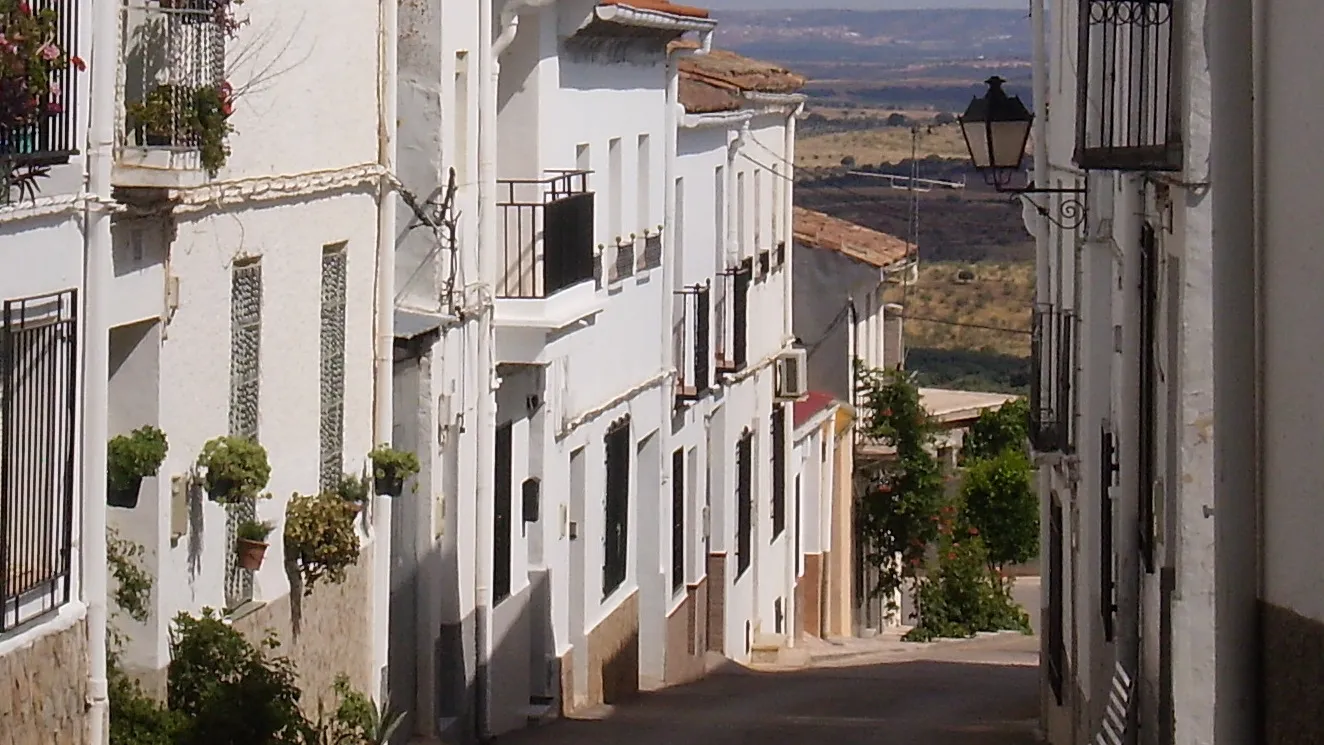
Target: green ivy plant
[
  {"x": 320, "y": 538},
  {"x": 900, "y": 501},
  {"x": 235, "y": 469},
  {"x": 390, "y": 468},
  {"x": 133, "y": 585},
  {"x": 130, "y": 458}
]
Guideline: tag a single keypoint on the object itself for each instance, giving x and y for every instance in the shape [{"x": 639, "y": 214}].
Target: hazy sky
[{"x": 858, "y": 4}]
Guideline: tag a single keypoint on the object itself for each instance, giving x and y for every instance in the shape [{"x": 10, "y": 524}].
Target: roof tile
[{"x": 818, "y": 230}]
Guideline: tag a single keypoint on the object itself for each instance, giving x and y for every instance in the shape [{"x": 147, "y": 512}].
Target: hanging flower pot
[
  {"x": 390, "y": 468},
  {"x": 129, "y": 459},
  {"x": 250, "y": 543},
  {"x": 235, "y": 469}
]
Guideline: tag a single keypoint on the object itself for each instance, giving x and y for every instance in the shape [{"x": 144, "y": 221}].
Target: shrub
[
  {"x": 961, "y": 597},
  {"x": 996, "y": 430},
  {"x": 320, "y": 538},
  {"x": 1001, "y": 503}
]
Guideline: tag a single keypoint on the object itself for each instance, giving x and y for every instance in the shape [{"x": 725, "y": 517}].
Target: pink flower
[
  {"x": 24, "y": 8},
  {"x": 78, "y": 63},
  {"x": 50, "y": 52}
]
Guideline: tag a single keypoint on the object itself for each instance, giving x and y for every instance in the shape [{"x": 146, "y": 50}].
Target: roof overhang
[{"x": 627, "y": 15}]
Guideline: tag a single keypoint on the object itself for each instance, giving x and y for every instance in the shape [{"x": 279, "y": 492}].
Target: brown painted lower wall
[
  {"x": 809, "y": 596},
  {"x": 334, "y": 635},
  {"x": 687, "y": 629},
  {"x": 1292, "y": 647},
  {"x": 43, "y": 690},
  {"x": 716, "y": 610},
  {"x": 613, "y": 655}
]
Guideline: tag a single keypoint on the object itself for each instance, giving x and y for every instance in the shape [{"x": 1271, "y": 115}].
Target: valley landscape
[{"x": 884, "y": 89}]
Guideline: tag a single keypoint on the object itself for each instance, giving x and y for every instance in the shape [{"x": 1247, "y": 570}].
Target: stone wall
[
  {"x": 334, "y": 635},
  {"x": 1293, "y": 683},
  {"x": 613, "y": 655},
  {"x": 717, "y": 603},
  {"x": 687, "y": 630},
  {"x": 43, "y": 690}
]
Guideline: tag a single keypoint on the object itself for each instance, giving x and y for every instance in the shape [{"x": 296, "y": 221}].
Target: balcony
[
  {"x": 547, "y": 261},
  {"x": 174, "y": 101},
  {"x": 36, "y": 136},
  {"x": 690, "y": 338},
  {"x": 1050, "y": 383},
  {"x": 732, "y": 317}
]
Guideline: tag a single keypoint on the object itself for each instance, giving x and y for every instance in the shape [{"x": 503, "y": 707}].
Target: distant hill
[{"x": 877, "y": 37}]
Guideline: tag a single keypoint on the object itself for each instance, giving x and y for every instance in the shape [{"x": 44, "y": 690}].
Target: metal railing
[
  {"x": 1129, "y": 116},
  {"x": 50, "y": 136},
  {"x": 690, "y": 341},
  {"x": 1050, "y": 379},
  {"x": 38, "y": 405},
  {"x": 173, "y": 68},
  {"x": 547, "y": 234}
]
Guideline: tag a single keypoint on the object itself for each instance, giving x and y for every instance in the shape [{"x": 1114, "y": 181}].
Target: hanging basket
[
  {"x": 125, "y": 496},
  {"x": 390, "y": 484},
  {"x": 250, "y": 553}
]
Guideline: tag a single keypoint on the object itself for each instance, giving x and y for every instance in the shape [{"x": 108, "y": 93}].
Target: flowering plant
[
  {"x": 195, "y": 117},
  {"x": 28, "y": 55}
]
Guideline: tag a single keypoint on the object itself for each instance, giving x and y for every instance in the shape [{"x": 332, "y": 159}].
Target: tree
[
  {"x": 944, "y": 118},
  {"x": 897, "y": 120},
  {"x": 900, "y": 502},
  {"x": 848, "y": 161},
  {"x": 996, "y": 430},
  {"x": 1002, "y": 507}
]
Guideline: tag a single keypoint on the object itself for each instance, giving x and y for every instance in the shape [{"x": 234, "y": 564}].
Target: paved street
[{"x": 859, "y": 692}]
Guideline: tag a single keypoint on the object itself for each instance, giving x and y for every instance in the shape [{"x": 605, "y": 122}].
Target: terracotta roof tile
[
  {"x": 717, "y": 81},
  {"x": 660, "y": 6},
  {"x": 817, "y": 230}
]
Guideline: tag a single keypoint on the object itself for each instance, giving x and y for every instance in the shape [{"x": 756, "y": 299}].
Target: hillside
[{"x": 999, "y": 295}]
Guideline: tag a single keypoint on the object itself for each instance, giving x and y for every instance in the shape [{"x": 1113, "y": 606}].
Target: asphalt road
[{"x": 865, "y": 692}]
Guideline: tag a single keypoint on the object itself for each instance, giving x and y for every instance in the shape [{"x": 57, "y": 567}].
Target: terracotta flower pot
[{"x": 251, "y": 553}]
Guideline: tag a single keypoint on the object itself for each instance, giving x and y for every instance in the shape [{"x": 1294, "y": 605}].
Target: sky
[{"x": 859, "y": 4}]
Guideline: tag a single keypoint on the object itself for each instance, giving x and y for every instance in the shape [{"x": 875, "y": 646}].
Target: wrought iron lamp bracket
[{"x": 1070, "y": 210}]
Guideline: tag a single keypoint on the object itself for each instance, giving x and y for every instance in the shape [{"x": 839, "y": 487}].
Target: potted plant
[
  {"x": 235, "y": 469},
  {"x": 129, "y": 459},
  {"x": 320, "y": 537},
  {"x": 172, "y": 115},
  {"x": 250, "y": 543},
  {"x": 354, "y": 490},
  {"x": 390, "y": 468}
]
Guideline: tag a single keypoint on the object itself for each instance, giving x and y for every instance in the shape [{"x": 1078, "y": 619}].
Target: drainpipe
[
  {"x": 489, "y": 75},
  {"x": 96, "y": 361},
  {"x": 383, "y": 404}
]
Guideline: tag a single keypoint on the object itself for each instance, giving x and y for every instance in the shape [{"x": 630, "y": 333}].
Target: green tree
[
  {"x": 1002, "y": 506},
  {"x": 899, "y": 501},
  {"x": 996, "y": 430}
]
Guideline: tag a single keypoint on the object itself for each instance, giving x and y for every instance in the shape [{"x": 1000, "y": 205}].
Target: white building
[
  {"x": 1177, "y": 380},
  {"x": 246, "y": 256},
  {"x": 45, "y": 592}
]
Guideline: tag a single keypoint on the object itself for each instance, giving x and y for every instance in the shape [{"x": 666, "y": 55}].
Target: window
[
  {"x": 332, "y": 434},
  {"x": 1107, "y": 479},
  {"x": 799, "y": 528},
  {"x": 677, "y": 520},
  {"x": 742, "y": 216},
  {"x": 1149, "y": 376},
  {"x": 778, "y": 470},
  {"x": 501, "y": 514},
  {"x": 719, "y": 216},
  {"x": 758, "y": 208},
  {"x": 245, "y": 379},
  {"x": 38, "y": 402},
  {"x": 740, "y": 314},
  {"x": 1054, "y": 632},
  {"x": 617, "y": 508},
  {"x": 643, "y": 191},
  {"x": 744, "y": 500},
  {"x": 52, "y": 138},
  {"x": 616, "y": 188},
  {"x": 678, "y": 239}
]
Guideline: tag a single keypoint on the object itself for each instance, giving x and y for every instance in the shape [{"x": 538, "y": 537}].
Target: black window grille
[
  {"x": 765, "y": 262},
  {"x": 51, "y": 136},
  {"x": 1148, "y": 429},
  {"x": 690, "y": 342},
  {"x": 616, "y": 534},
  {"x": 744, "y": 501},
  {"x": 778, "y": 470},
  {"x": 1128, "y": 109},
  {"x": 38, "y": 401},
  {"x": 779, "y": 255},
  {"x": 1050, "y": 383},
  {"x": 740, "y": 315},
  {"x": 503, "y": 493},
  {"x": 1055, "y": 632},
  {"x": 677, "y": 520},
  {"x": 703, "y": 352},
  {"x": 547, "y": 235},
  {"x": 1107, "y": 580},
  {"x": 724, "y": 326}
]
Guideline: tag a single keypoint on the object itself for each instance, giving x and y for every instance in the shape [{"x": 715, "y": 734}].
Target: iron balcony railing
[
  {"x": 690, "y": 342},
  {"x": 1051, "y": 361},
  {"x": 38, "y": 413},
  {"x": 547, "y": 234},
  {"x": 173, "y": 72},
  {"x": 1128, "y": 66},
  {"x": 32, "y": 139}
]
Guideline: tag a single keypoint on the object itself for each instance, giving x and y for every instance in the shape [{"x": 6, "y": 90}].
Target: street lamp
[{"x": 996, "y": 130}]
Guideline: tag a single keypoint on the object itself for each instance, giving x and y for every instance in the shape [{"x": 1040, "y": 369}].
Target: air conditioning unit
[{"x": 791, "y": 383}]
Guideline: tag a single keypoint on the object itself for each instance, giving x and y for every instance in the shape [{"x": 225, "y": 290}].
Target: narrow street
[{"x": 982, "y": 691}]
